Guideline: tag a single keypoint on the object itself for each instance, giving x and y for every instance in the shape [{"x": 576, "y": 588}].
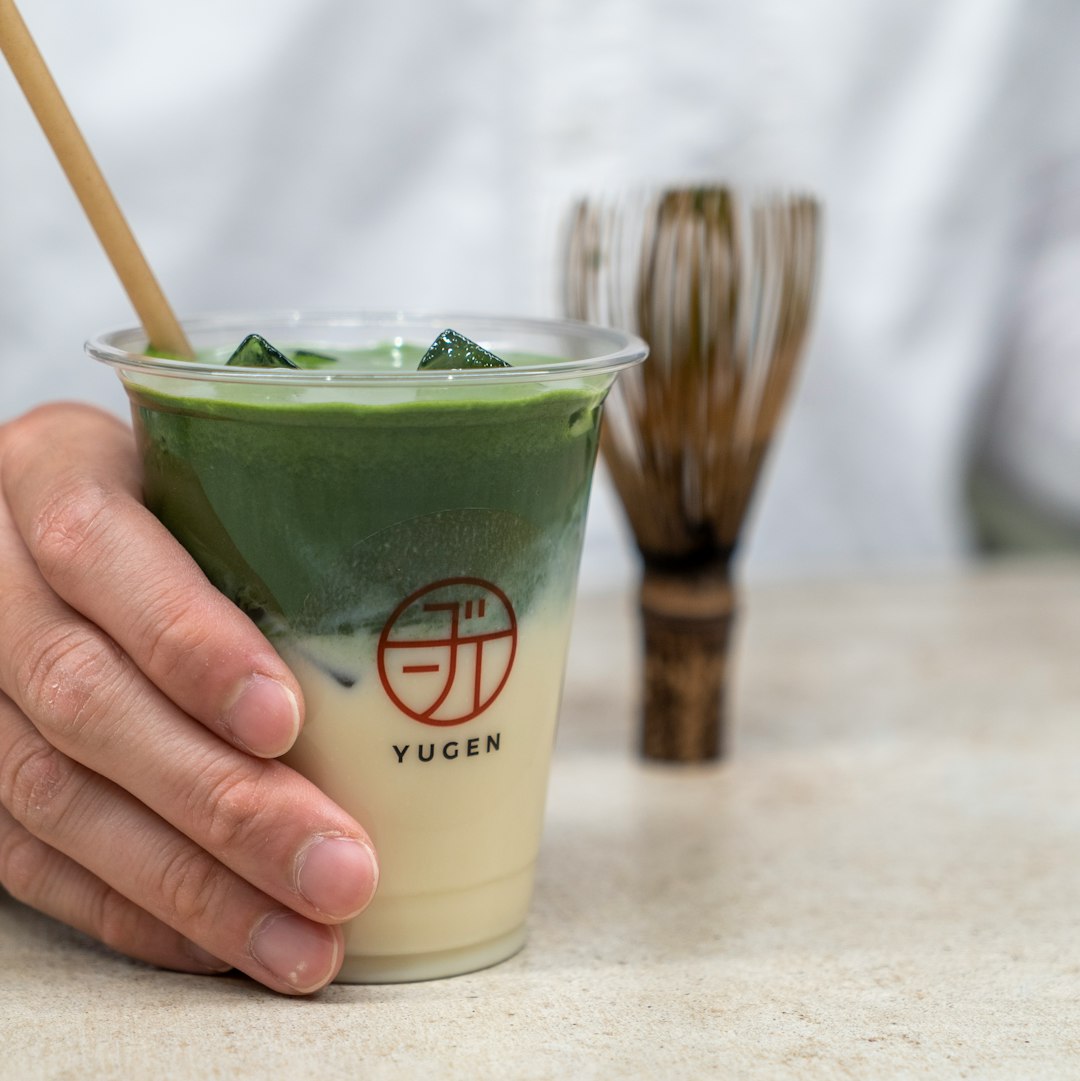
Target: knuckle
[
  {"x": 35, "y": 784},
  {"x": 192, "y": 887},
  {"x": 19, "y": 436},
  {"x": 22, "y": 438},
  {"x": 23, "y": 862},
  {"x": 113, "y": 919},
  {"x": 229, "y": 809},
  {"x": 72, "y": 521},
  {"x": 177, "y": 639},
  {"x": 69, "y": 679}
]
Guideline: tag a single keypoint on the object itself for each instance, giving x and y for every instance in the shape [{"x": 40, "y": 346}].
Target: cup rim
[{"x": 609, "y": 350}]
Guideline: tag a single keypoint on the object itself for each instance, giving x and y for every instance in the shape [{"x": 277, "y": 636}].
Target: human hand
[{"x": 140, "y": 715}]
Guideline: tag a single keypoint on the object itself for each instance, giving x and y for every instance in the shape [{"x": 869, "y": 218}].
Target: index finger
[{"x": 70, "y": 476}]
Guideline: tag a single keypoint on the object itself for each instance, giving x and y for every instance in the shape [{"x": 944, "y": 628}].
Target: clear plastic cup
[{"x": 409, "y": 541}]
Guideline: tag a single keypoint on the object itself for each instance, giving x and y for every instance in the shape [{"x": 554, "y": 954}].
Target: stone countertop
[{"x": 882, "y": 881}]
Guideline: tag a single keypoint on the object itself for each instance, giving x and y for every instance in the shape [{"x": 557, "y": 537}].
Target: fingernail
[
  {"x": 205, "y": 960},
  {"x": 264, "y": 717},
  {"x": 302, "y": 954},
  {"x": 338, "y": 875}
]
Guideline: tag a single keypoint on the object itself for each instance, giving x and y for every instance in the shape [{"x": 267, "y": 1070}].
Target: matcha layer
[{"x": 319, "y": 517}]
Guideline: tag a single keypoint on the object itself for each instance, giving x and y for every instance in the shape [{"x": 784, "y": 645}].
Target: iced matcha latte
[{"x": 409, "y": 540}]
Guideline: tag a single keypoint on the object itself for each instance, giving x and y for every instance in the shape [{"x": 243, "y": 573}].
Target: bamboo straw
[{"x": 161, "y": 326}]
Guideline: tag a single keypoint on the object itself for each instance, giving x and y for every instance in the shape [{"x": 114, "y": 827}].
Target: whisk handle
[{"x": 686, "y": 621}]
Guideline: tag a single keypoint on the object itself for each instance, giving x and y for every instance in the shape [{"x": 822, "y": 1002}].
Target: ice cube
[
  {"x": 452, "y": 350},
  {"x": 256, "y": 352}
]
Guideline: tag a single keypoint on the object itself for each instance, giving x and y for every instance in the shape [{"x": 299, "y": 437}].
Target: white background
[{"x": 422, "y": 155}]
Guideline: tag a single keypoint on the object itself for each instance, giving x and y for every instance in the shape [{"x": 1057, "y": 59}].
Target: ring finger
[{"x": 120, "y": 842}]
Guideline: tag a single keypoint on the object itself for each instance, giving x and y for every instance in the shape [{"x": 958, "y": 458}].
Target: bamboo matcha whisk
[{"x": 721, "y": 287}]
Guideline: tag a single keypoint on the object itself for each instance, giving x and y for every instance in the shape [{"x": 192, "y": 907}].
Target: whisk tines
[{"x": 721, "y": 285}]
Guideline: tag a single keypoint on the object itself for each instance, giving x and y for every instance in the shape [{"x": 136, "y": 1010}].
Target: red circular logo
[{"x": 446, "y": 652}]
